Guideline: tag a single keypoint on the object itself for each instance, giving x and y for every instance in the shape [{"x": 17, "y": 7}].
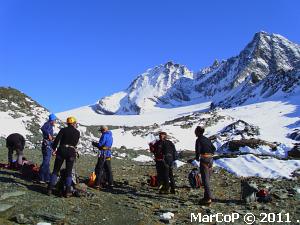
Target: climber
[
  {"x": 204, "y": 153},
  {"x": 103, "y": 166},
  {"x": 67, "y": 139},
  {"x": 15, "y": 142},
  {"x": 47, "y": 130},
  {"x": 165, "y": 154}
]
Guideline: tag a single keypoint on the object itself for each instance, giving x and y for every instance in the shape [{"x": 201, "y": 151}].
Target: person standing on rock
[
  {"x": 15, "y": 142},
  {"x": 47, "y": 130},
  {"x": 165, "y": 153},
  {"x": 67, "y": 139},
  {"x": 103, "y": 166},
  {"x": 204, "y": 153}
]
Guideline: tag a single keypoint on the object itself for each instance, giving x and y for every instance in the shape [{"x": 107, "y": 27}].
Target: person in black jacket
[
  {"x": 164, "y": 166},
  {"x": 67, "y": 139},
  {"x": 15, "y": 142},
  {"x": 204, "y": 152}
]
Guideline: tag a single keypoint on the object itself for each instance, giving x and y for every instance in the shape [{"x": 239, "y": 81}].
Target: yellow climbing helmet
[{"x": 71, "y": 120}]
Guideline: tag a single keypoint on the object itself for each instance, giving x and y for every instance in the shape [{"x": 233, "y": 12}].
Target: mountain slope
[
  {"x": 268, "y": 66},
  {"x": 21, "y": 114}
]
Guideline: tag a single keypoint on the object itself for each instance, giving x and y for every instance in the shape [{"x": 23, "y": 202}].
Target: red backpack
[{"x": 153, "y": 181}]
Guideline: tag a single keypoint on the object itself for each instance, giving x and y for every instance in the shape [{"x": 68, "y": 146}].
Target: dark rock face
[
  {"x": 235, "y": 145},
  {"x": 240, "y": 128},
  {"x": 295, "y": 152},
  {"x": 295, "y": 135}
]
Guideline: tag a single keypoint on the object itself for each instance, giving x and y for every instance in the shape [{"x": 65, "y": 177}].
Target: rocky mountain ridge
[{"x": 269, "y": 64}]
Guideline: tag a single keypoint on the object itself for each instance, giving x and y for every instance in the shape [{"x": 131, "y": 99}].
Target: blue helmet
[{"x": 52, "y": 117}]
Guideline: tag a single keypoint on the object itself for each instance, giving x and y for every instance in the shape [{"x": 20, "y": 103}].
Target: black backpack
[{"x": 195, "y": 178}]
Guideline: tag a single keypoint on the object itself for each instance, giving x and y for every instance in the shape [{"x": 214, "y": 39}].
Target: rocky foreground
[{"x": 132, "y": 201}]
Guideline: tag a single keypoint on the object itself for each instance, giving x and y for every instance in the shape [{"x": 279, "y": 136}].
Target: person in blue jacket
[
  {"x": 103, "y": 166},
  {"x": 47, "y": 130}
]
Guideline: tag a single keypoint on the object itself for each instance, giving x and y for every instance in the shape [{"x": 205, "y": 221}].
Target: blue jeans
[{"x": 45, "y": 167}]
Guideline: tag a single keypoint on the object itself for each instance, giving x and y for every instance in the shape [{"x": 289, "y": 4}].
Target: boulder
[
  {"x": 248, "y": 190},
  {"x": 241, "y": 128},
  {"x": 295, "y": 152},
  {"x": 166, "y": 217},
  {"x": 21, "y": 219},
  {"x": 5, "y": 207},
  {"x": 235, "y": 145},
  {"x": 12, "y": 194}
]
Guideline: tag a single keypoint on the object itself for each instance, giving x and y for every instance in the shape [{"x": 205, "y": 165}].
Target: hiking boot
[
  {"x": 49, "y": 192},
  {"x": 98, "y": 187},
  {"x": 164, "y": 192},
  {"x": 204, "y": 201},
  {"x": 68, "y": 193},
  {"x": 110, "y": 187}
]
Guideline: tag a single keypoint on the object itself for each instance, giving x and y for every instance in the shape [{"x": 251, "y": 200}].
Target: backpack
[
  {"x": 195, "y": 178},
  {"x": 30, "y": 171},
  {"x": 61, "y": 184},
  {"x": 92, "y": 179},
  {"x": 153, "y": 182},
  {"x": 263, "y": 196},
  {"x": 248, "y": 191}
]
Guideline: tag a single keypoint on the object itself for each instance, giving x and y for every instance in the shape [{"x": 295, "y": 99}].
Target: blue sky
[{"x": 69, "y": 53}]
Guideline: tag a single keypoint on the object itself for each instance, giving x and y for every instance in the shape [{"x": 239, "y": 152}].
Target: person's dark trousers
[
  {"x": 45, "y": 167},
  {"x": 159, "y": 171},
  {"x": 167, "y": 176},
  {"x": 171, "y": 177},
  {"x": 68, "y": 154},
  {"x": 19, "y": 156},
  {"x": 206, "y": 171},
  {"x": 103, "y": 167},
  {"x": 108, "y": 171}
]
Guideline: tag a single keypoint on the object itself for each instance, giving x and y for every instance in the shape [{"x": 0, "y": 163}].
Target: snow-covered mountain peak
[
  {"x": 270, "y": 63},
  {"x": 145, "y": 91},
  {"x": 267, "y": 48},
  {"x": 161, "y": 77}
]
